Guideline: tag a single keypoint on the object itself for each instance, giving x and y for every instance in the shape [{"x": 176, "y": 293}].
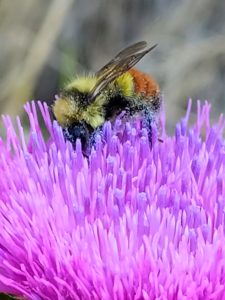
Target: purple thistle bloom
[{"x": 133, "y": 223}]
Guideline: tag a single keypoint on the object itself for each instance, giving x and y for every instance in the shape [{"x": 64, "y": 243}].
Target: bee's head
[
  {"x": 78, "y": 131},
  {"x": 69, "y": 111}
]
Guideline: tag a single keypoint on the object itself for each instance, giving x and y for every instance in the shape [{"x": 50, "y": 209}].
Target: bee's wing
[
  {"x": 133, "y": 49},
  {"x": 120, "y": 64}
]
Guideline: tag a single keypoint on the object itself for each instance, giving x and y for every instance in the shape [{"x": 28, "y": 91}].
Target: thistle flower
[{"x": 132, "y": 223}]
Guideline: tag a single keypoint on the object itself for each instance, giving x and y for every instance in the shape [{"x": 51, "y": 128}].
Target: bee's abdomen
[{"x": 144, "y": 84}]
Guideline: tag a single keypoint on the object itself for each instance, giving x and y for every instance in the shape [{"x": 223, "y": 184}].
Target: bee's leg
[
  {"x": 147, "y": 122},
  {"x": 149, "y": 119}
]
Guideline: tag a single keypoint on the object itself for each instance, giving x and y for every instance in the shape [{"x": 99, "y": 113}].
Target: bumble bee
[{"x": 87, "y": 102}]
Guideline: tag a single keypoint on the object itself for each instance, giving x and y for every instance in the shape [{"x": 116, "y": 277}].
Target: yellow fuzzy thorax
[
  {"x": 68, "y": 111},
  {"x": 84, "y": 84}
]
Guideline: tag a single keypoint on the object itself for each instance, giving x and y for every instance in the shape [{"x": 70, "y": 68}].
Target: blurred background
[{"x": 44, "y": 43}]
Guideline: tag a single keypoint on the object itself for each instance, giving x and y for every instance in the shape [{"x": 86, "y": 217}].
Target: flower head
[{"x": 132, "y": 223}]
